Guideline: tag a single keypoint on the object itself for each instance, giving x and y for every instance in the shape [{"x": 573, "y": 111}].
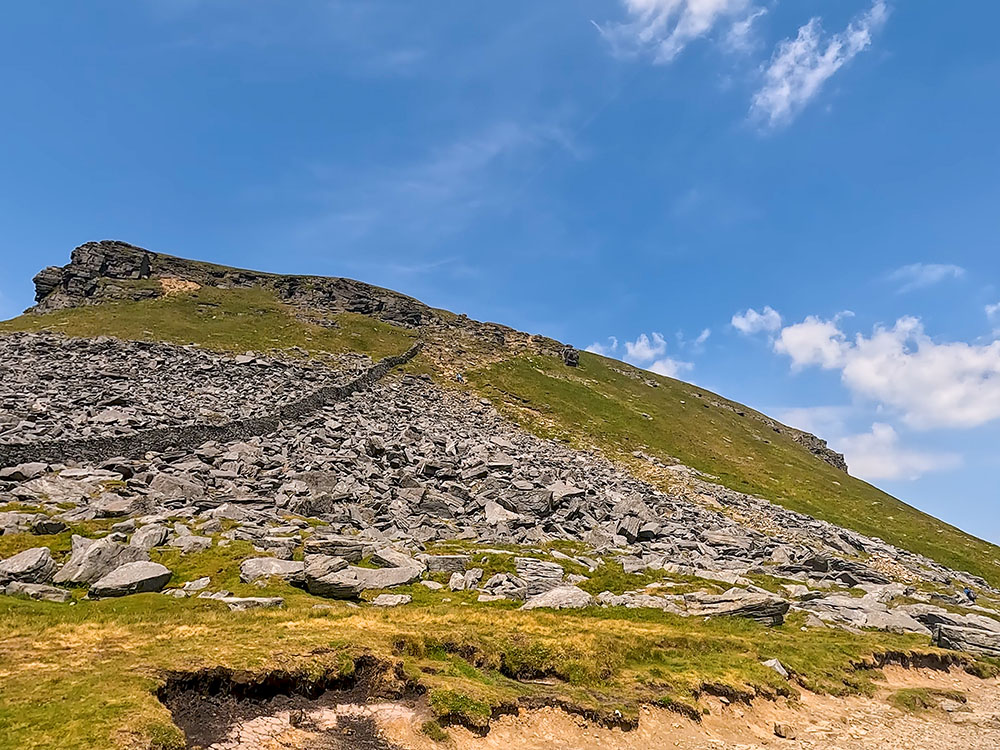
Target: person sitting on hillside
[{"x": 970, "y": 595}]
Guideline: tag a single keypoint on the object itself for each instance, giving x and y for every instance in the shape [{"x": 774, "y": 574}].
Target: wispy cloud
[
  {"x": 799, "y": 67},
  {"x": 435, "y": 196},
  {"x": 644, "y": 348},
  {"x": 605, "y": 350},
  {"x": 663, "y": 28},
  {"x": 878, "y": 454},
  {"x": 921, "y": 275},
  {"x": 741, "y": 37}
]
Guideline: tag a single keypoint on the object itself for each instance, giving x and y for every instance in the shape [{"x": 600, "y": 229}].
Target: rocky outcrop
[{"x": 972, "y": 640}]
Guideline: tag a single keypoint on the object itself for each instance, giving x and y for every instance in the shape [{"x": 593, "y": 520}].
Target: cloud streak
[
  {"x": 921, "y": 275},
  {"x": 662, "y": 29},
  {"x": 799, "y": 67}
]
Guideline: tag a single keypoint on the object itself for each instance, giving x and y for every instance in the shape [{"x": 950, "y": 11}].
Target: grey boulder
[
  {"x": 561, "y": 597},
  {"x": 91, "y": 561},
  {"x": 131, "y": 578},
  {"x": 31, "y": 566},
  {"x": 37, "y": 591},
  {"x": 264, "y": 567}
]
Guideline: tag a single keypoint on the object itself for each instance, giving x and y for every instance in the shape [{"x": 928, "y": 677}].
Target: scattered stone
[
  {"x": 391, "y": 600},
  {"x": 777, "y": 666},
  {"x": 38, "y": 591},
  {"x": 264, "y": 567},
  {"x": 561, "y": 597}
]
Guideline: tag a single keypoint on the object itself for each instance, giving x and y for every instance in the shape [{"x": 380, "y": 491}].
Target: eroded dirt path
[
  {"x": 814, "y": 722},
  {"x": 818, "y": 723}
]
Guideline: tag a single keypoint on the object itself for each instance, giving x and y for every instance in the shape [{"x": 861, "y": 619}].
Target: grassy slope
[
  {"x": 595, "y": 404},
  {"x": 83, "y": 676},
  {"x": 234, "y": 320}
]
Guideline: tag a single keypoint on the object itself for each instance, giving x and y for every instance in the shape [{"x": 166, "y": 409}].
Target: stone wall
[{"x": 191, "y": 436}]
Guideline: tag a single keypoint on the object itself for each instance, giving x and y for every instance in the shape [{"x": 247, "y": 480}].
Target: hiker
[{"x": 970, "y": 594}]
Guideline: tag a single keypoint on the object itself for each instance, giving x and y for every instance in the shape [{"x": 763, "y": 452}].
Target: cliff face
[{"x": 112, "y": 270}]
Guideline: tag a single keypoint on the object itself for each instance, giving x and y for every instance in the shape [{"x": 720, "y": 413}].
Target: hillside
[
  {"x": 241, "y": 509},
  {"x": 602, "y": 403}
]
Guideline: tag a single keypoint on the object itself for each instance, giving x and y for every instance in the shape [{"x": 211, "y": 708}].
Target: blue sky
[{"x": 639, "y": 171}]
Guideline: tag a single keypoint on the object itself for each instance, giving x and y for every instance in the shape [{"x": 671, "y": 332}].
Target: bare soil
[{"x": 344, "y": 721}]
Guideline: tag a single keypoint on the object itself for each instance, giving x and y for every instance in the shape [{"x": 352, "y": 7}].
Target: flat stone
[
  {"x": 38, "y": 591},
  {"x": 561, "y": 597},
  {"x": 264, "y": 567},
  {"x": 391, "y": 600},
  {"x": 242, "y": 603}
]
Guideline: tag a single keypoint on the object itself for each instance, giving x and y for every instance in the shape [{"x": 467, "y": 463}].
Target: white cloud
[
  {"x": 663, "y": 28},
  {"x": 799, "y": 67},
  {"x": 672, "y": 368},
  {"x": 878, "y": 455},
  {"x": 741, "y": 37},
  {"x": 812, "y": 342},
  {"x": 644, "y": 349},
  {"x": 703, "y": 337},
  {"x": 949, "y": 384},
  {"x": 920, "y": 275},
  {"x": 604, "y": 350},
  {"x": 751, "y": 321},
  {"x": 824, "y": 421},
  {"x": 993, "y": 311}
]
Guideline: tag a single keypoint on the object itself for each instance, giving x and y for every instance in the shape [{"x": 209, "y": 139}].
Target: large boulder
[
  {"x": 349, "y": 548},
  {"x": 973, "y": 640},
  {"x": 265, "y": 567},
  {"x": 31, "y": 566},
  {"x": 91, "y": 561},
  {"x": 131, "y": 578},
  {"x": 538, "y": 575},
  {"x": 332, "y": 577},
  {"x": 763, "y": 608},
  {"x": 149, "y": 536},
  {"x": 561, "y": 597}
]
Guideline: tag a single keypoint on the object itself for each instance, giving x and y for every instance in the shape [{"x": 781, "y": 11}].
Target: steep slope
[{"x": 601, "y": 403}]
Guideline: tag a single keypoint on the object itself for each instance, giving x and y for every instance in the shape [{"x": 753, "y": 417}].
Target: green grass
[
  {"x": 596, "y": 405},
  {"x": 84, "y": 676},
  {"x": 921, "y": 700},
  {"x": 230, "y": 320}
]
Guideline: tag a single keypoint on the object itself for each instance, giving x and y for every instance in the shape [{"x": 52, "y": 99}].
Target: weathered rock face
[
  {"x": 973, "y": 640},
  {"x": 95, "y": 267},
  {"x": 91, "y": 561}
]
